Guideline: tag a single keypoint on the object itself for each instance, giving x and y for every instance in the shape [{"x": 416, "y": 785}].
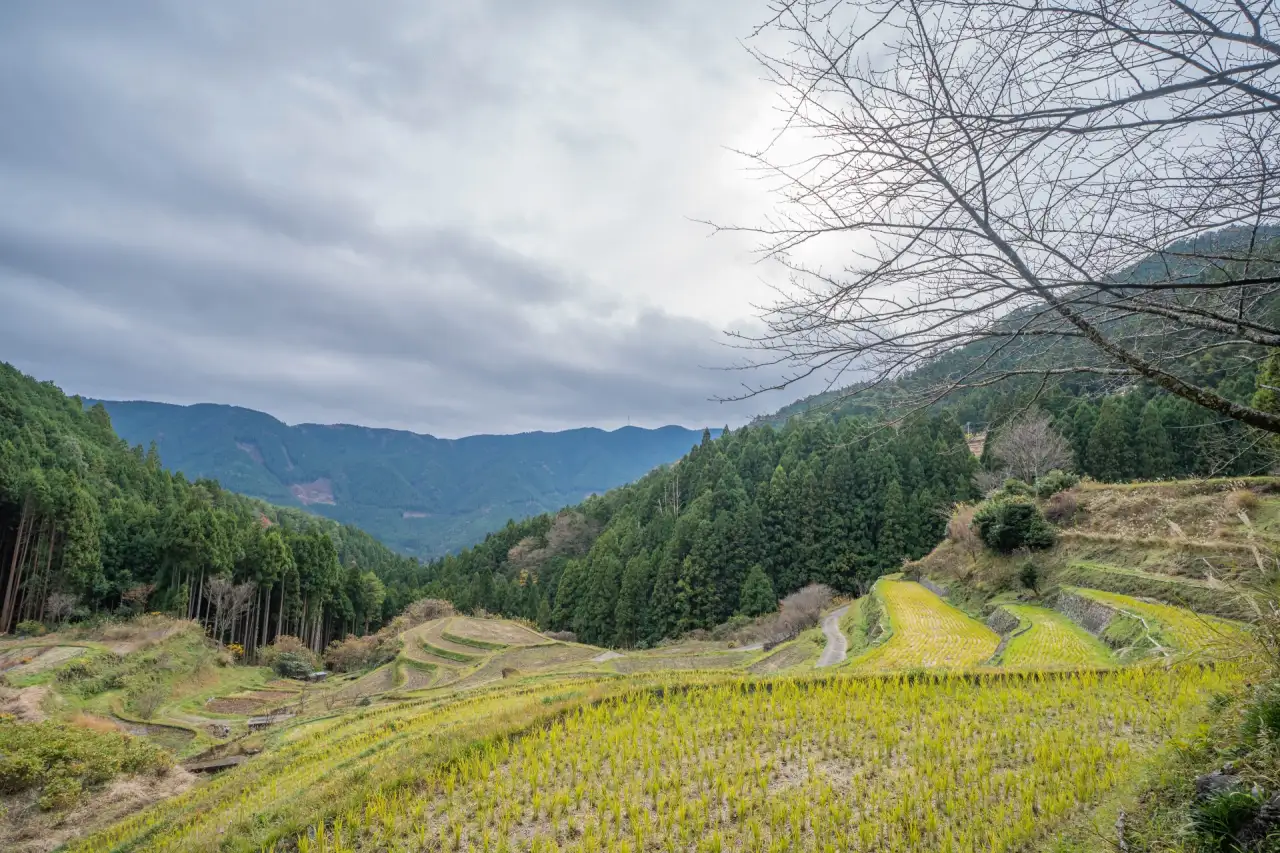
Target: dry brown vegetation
[
  {"x": 1242, "y": 500},
  {"x": 1061, "y": 507},
  {"x": 26, "y": 829},
  {"x": 961, "y": 532},
  {"x": 802, "y": 608}
]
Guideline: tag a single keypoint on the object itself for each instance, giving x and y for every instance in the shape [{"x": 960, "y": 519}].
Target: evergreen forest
[{"x": 90, "y": 525}]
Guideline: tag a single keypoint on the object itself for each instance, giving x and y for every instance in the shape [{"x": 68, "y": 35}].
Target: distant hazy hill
[{"x": 420, "y": 494}]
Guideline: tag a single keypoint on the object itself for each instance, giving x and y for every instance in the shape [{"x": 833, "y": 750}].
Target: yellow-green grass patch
[
  {"x": 927, "y": 632},
  {"x": 844, "y": 763},
  {"x": 1049, "y": 640},
  {"x": 1187, "y": 630}
]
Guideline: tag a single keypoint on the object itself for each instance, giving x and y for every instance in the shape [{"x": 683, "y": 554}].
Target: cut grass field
[
  {"x": 926, "y": 632},
  {"x": 1046, "y": 639}
]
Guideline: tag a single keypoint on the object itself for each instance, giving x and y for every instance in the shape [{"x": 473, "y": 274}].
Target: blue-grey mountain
[{"x": 417, "y": 493}]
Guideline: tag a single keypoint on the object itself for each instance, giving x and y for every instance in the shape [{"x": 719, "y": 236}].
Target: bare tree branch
[{"x": 1022, "y": 190}]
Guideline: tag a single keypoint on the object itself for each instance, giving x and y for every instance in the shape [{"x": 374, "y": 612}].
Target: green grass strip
[
  {"x": 420, "y": 665},
  {"x": 475, "y": 644},
  {"x": 447, "y": 654}
]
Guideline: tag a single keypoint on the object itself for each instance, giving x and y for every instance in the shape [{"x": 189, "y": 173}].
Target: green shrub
[
  {"x": 291, "y": 654},
  {"x": 30, "y": 628},
  {"x": 1029, "y": 576},
  {"x": 1220, "y": 818},
  {"x": 145, "y": 695},
  {"x": 292, "y": 665},
  {"x": 96, "y": 673},
  {"x": 18, "y": 773},
  {"x": 60, "y": 792},
  {"x": 61, "y": 760},
  {"x": 1008, "y": 524},
  {"x": 1015, "y": 488},
  {"x": 1055, "y": 481}
]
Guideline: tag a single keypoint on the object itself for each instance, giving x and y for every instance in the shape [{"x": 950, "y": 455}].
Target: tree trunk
[
  {"x": 199, "y": 597},
  {"x": 35, "y": 582},
  {"x": 48, "y": 572},
  {"x": 266, "y": 615},
  {"x": 15, "y": 569}
]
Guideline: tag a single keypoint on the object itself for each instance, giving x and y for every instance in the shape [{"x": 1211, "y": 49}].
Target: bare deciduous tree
[
  {"x": 802, "y": 609},
  {"x": 1028, "y": 447},
  {"x": 230, "y": 601},
  {"x": 59, "y": 606},
  {"x": 1071, "y": 189}
]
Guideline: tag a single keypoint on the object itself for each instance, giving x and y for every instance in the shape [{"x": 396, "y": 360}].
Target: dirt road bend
[{"x": 837, "y": 645}]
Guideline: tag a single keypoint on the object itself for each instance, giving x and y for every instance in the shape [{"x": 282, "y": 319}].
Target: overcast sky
[{"x": 448, "y": 217}]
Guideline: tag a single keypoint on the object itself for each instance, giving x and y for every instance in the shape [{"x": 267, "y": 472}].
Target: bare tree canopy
[
  {"x": 1078, "y": 188},
  {"x": 1028, "y": 447},
  {"x": 230, "y": 601}
]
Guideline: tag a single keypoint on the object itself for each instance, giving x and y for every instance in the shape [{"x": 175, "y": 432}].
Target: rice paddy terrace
[
  {"x": 1014, "y": 738},
  {"x": 1010, "y": 725}
]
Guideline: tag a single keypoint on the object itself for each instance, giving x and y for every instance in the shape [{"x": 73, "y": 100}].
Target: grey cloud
[{"x": 402, "y": 214}]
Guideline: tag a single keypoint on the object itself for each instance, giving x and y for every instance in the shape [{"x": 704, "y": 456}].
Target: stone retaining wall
[
  {"x": 1002, "y": 621},
  {"x": 936, "y": 589},
  {"x": 1093, "y": 615}
]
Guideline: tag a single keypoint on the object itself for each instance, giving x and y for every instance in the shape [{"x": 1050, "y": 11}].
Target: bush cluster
[
  {"x": 62, "y": 760},
  {"x": 290, "y": 657},
  {"x": 1055, "y": 481},
  {"x": 354, "y": 653},
  {"x": 95, "y": 673},
  {"x": 1007, "y": 524}
]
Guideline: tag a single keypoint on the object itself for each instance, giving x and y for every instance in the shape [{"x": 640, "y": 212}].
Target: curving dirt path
[{"x": 837, "y": 646}]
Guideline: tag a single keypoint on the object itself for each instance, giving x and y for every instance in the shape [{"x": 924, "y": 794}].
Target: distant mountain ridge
[{"x": 420, "y": 494}]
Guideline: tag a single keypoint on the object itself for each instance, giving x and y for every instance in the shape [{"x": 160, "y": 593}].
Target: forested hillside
[
  {"x": 89, "y": 524},
  {"x": 1134, "y": 431},
  {"x": 738, "y": 522},
  {"x": 419, "y": 494}
]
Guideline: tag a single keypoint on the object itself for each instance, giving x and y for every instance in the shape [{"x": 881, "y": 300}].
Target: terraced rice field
[
  {"x": 887, "y": 764},
  {"x": 494, "y": 631},
  {"x": 927, "y": 632},
  {"x": 1051, "y": 642},
  {"x": 1187, "y": 630}
]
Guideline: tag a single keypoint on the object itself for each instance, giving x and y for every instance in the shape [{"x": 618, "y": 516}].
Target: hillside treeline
[
  {"x": 89, "y": 525},
  {"x": 1136, "y": 432},
  {"x": 739, "y": 521}
]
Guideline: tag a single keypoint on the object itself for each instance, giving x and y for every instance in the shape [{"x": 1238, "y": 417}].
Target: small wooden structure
[
  {"x": 214, "y": 765},
  {"x": 259, "y": 723},
  {"x": 318, "y": 676}
]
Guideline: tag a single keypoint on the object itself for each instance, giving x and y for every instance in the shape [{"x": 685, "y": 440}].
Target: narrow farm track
[{"x": 837, "y": 646}]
